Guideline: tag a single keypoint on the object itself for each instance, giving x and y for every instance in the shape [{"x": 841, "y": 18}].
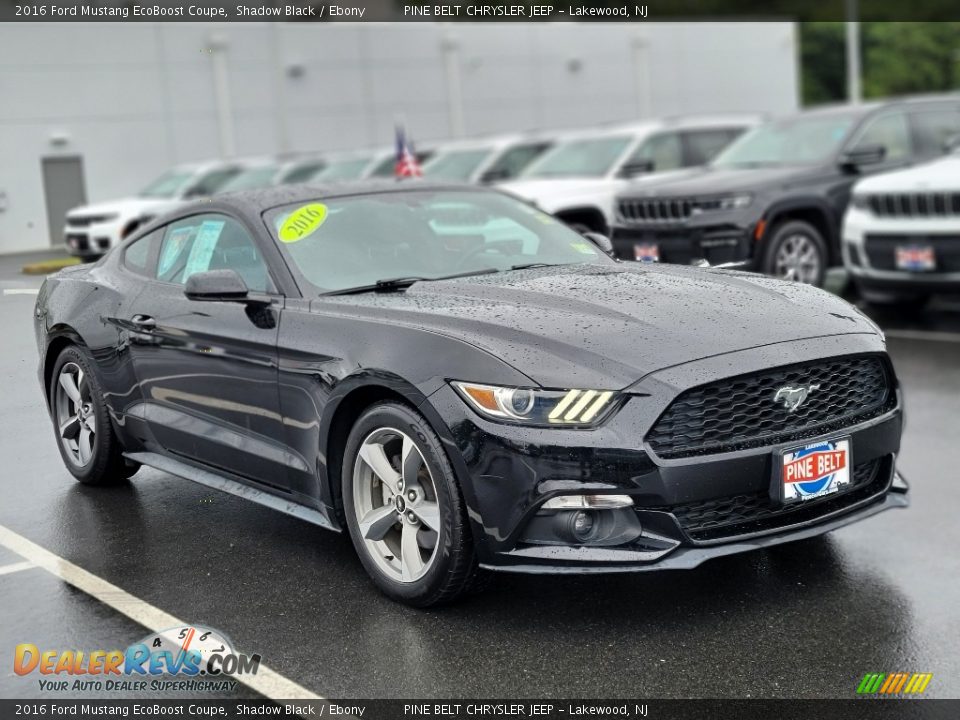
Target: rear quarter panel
[{"x": 77, "y": 306}]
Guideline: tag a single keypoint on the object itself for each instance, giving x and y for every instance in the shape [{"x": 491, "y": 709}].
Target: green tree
[{"x": 899, "y": 58}]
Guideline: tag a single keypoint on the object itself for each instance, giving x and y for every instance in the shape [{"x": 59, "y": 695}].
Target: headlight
[
  {"x": 538, "y": 407},
  {"x": 861, "y": 202},
  {"x": 735, "y": 202}
]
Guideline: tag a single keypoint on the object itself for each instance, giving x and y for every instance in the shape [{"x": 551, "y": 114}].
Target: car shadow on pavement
[{"x": 798, "y": 620}]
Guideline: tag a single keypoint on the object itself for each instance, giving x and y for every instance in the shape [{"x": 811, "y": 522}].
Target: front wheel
[
  {"x": 796, "y": 251},
  {"x": 403, "y": 507},
  {"x": 89, "y": 447}
]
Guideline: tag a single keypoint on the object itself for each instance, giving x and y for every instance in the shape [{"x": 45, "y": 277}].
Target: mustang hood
[{"x": 607, "y": 326}]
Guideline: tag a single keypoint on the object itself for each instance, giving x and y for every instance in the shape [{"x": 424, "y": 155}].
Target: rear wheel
[
  {"x": 85, "y": 437},
  {"x": 796, "y": 251},
  {"x": 403, "y": 507}
]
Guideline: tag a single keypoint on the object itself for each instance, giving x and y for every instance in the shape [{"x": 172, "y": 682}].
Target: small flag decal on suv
[{"x": 898, "y": 683}]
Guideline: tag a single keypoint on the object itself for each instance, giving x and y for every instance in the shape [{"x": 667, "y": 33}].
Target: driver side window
[
  {"x": 890, "y": 131},
  {"x": 211, "y": 242},
  {"x": 664, "y": 151}
]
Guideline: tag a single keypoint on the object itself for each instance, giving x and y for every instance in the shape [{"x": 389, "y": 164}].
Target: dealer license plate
[
  {"x": 646, "y": 252},
  {"x": 813, "y": 471},
  {"x": 916, "y": 258}
]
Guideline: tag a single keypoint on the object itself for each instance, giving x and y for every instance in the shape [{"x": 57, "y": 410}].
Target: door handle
[{"x": 143, "y": 322}]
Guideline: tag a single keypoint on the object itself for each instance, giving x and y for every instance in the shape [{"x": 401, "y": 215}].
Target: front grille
[
  {"x": 741, "y": 412},
  {"x": 88, "y": 220},
  {"x": 756, "y": 512},
  {"x": 882, "y": 250},
  {"x": 655, "y": 210},
  {"x": 736, "y": 509},
  {"x": 928, "y": 204}
]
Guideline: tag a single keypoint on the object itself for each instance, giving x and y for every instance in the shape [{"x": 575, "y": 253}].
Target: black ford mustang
[{"x": 462, "y": 382}]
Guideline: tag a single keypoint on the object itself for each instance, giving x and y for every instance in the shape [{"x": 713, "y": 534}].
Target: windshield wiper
[
  {"x": 388, "y": 285},
  {"x": 527, "y": 266},
  {"x": 402, "y": 283}
]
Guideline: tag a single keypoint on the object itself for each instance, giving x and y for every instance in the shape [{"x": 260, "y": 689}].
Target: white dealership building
[{"x": 93, "y": 111}]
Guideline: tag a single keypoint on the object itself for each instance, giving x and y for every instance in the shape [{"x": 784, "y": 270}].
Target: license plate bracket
[
  {"x": 815, "y": 470},
  {"x": 646, "y": 252},
  {"x": 916, "y": 257}
]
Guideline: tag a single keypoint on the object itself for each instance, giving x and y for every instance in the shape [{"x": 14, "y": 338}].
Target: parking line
[
  {"x": 267, "y": 682},
  {"x": 932, "y": 335},
  {"x": 16, "y": 567},
  {"x": 21, "y": 291}
]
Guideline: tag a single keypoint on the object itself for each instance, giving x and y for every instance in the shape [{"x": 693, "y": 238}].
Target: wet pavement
[{"x": 803, "y": 620}]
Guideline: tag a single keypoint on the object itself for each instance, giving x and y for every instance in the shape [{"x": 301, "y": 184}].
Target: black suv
[{"x": 775, "y": 197}]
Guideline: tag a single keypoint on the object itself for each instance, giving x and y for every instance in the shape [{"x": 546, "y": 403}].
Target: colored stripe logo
[{"x": 898, "y": 683}]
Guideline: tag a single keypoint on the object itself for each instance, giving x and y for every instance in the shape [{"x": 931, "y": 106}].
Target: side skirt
[{"x": 233, "y": 487}]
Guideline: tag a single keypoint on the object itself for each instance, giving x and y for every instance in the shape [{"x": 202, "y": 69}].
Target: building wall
[{"x": 134, "y": 99}]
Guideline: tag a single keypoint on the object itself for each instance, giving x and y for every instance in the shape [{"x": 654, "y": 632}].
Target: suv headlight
[
  {"x": 534, "y": 406},
  {"x": 860, "y": 202},
  {"x": 735, "y": 202}
]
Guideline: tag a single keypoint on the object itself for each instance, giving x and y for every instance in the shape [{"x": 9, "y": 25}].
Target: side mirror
[
  {"x": 637, "y": 167},
  {"x": 600, "y": 240},
  {"x": 863, "y": 155},
  {"x": 221, "y": 286}
]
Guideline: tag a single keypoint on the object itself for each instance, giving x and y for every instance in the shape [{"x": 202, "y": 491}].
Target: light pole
[{"x": 854, "y": 88}]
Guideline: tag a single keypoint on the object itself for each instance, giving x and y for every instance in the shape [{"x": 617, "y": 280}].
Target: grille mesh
[
  {"x": 741, "y": 412},
  {"x": 655, "y": 210},
  {"x": 928, "y": 204},
  {"x": 751, "y": 507}
]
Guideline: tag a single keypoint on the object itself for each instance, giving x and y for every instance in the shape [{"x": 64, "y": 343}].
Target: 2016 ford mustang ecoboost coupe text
[{"x": 464, "y": 383}]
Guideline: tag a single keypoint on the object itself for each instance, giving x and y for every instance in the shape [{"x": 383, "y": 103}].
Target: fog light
[
  {"x": 582, "y": 525},
  {"x": 598, "y": 502}
]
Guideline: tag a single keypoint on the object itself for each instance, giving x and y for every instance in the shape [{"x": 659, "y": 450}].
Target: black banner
[
  {"x": 854, "y": 709},
  {"x": 492, "y": 10}
]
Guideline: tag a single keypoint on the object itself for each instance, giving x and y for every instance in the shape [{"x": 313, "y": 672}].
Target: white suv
[
  {"x": 578, "y": 179},
  {"x": 901, "y": 233},
  {"x": 91, "y": 230}
]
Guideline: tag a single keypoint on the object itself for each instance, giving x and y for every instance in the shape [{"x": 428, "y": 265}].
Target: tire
[
  {"x": 796, "y": 250},
  {"x": 89, "y": 447},
  {"x": 385, "y": 433}
]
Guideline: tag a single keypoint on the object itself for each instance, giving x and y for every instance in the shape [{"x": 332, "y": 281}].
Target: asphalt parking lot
[{"x": 805, "y": 620}]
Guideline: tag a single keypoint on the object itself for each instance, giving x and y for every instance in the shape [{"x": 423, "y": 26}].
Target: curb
[{"x": 45, "y": 267}]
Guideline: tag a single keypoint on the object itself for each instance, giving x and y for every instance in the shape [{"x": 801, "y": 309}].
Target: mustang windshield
[{"x": 354, "y": 242}]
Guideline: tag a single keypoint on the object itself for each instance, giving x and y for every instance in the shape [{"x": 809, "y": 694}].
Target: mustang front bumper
[{"x": 685, "y": 510}]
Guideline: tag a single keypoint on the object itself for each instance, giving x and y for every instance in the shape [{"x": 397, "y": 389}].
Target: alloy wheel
[
  {"x": 798, "y": 259},
  {"x": 395, "y": 504},
  {"x": 76, "y": 416}
]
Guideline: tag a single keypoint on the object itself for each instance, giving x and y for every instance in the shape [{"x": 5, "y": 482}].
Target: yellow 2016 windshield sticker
[{"x": 302, "y": 222}]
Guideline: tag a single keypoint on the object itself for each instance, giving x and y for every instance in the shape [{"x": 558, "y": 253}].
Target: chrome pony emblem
[{"x": 793, "y": 397}]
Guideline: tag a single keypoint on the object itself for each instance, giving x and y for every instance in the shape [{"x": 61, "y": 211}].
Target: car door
[{"x": 208, "y": 370}]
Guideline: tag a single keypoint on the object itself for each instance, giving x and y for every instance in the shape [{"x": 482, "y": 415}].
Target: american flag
[{"x": 407, "y": 165}]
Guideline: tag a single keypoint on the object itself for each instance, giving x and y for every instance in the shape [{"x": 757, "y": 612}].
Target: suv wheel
[
  {"x": 403, "y": 507},
  {"x": 796, "y": 251},
  {"x": 88, "y": 445}
]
